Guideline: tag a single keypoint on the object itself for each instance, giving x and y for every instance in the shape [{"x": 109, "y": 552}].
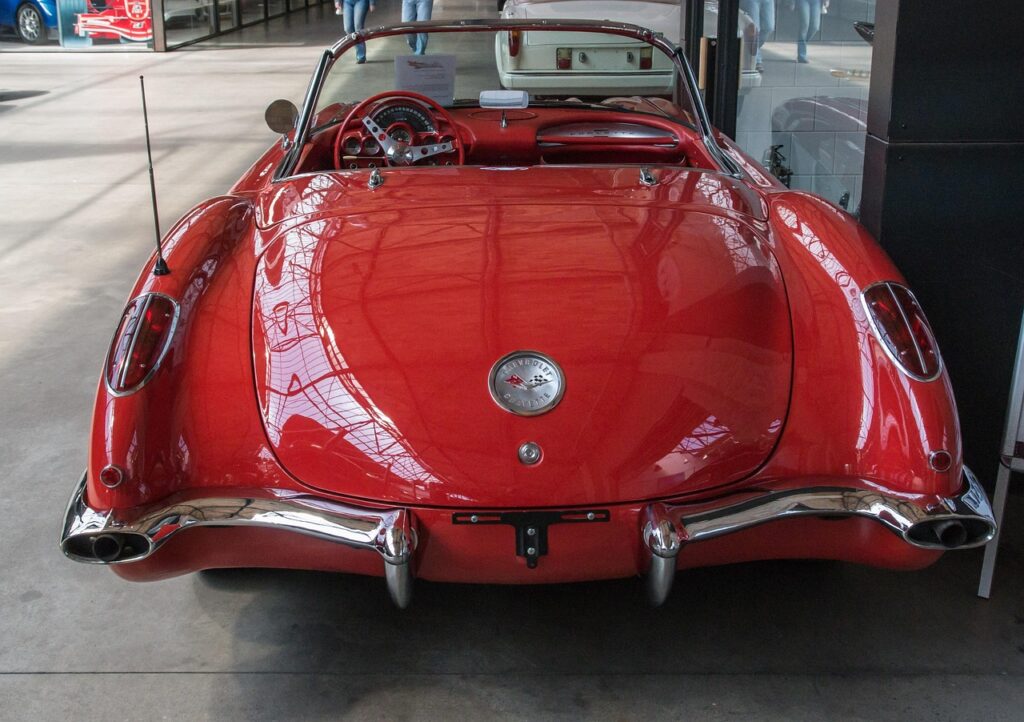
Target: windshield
[
  {"x": 502, "y": 94},
  {"x": 551, "y": 66}
]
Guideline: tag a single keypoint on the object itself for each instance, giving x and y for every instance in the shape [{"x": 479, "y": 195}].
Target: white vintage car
[{"x": 567, "y": 63}]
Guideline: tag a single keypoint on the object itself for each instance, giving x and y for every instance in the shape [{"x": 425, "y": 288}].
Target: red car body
[
  {"x": 326, "y": 374},
  {"x": 116, "y": 20}
]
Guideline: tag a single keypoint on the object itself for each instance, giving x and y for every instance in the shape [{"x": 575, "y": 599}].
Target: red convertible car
[{"x": 448, "y": 331}]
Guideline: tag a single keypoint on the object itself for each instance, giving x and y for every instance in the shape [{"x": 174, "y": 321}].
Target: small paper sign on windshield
[{"x": 429, "y": 75}]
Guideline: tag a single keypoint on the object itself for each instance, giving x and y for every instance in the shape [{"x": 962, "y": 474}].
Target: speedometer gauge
[{"x": 413, "y": 116}]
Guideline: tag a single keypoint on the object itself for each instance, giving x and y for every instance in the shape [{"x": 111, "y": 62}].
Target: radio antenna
[{"x": 160, "y": 268}]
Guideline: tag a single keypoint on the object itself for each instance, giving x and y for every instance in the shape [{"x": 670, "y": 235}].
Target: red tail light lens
[
  {"x": 563, "y": 58},
  {"x": 646, "y": 58},
  {"x": 514, "y": 37},
  {"x": 901, "y": 327},
  {"x": 141, "y": 341}
]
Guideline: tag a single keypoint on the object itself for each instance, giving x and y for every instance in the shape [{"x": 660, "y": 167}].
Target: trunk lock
[{"x": 530, "y": 453}]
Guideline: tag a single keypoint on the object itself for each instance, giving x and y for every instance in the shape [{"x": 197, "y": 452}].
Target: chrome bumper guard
[
  {"x": 930, "y": 522},
  {"x": 97, "y": 537}
]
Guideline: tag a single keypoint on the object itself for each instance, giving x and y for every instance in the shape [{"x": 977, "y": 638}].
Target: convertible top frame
[{"x": 330, "y": 55}]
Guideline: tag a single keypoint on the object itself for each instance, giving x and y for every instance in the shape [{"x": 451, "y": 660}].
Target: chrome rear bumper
[
  {"x": 928, "y": 522},
  {"x": 97, "y": 537}
]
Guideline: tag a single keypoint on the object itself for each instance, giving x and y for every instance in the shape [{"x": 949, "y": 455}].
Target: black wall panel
[{"x": 943, "y": 185}]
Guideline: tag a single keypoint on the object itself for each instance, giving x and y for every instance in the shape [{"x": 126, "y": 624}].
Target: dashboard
[{"x": 536, "y": 135}]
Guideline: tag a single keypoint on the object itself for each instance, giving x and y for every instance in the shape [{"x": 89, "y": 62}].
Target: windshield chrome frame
[{"x": 302, "y": 124}]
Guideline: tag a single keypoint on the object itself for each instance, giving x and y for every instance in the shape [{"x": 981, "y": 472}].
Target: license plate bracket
[{"x": 531, "y": 527}]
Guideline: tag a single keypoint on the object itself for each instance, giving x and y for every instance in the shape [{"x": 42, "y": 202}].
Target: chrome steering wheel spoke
[
  {"x": 387, "y": 143},
  {"x": 429, "y": 149},
  {"x": 403, "y": 154}
]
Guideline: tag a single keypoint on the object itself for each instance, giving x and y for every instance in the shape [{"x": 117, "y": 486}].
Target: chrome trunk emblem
[{"x": 526, "y": 383}]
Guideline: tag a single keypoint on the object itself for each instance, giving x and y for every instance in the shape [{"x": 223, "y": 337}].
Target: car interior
[{"x": 615, "y": 131}]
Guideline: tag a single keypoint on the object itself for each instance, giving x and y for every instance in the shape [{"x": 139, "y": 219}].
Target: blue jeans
[
  {"x": 354, "y": 18},
  {"x": 762, "y": 12},
  {"x": 810, "y": 22},
  {"x": 417, "y": 10}
]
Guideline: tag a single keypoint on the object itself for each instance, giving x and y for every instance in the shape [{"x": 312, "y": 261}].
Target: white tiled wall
[{"x": 823, "y": 148}]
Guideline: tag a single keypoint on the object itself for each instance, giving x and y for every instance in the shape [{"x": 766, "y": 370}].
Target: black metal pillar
[
  {"x": 943, "y": 171},
  {"x": 727, "y": 68},
  {"x": 692, "y": 17}
]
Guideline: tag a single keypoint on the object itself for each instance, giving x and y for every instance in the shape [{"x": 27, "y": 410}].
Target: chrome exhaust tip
[
  {"x": 106, "y": 548},
  {"x": 951, "y": 533}
]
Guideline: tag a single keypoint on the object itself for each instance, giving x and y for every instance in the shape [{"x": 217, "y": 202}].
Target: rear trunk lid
[{"x": 378, "y": 317}]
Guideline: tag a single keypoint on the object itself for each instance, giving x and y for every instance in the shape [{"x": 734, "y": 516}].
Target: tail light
[
  {"x": 900, "y": 325},
  {"x": 111, "y": 476},
  {"x": 563, "y": 58},
  {"x": 646, "y": 58},
  {"x": 141, "y": 342},
  {"x": 514, "y": 37}
]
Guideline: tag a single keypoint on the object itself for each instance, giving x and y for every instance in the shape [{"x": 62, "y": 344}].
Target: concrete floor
[{"x": 786, "y": 641}]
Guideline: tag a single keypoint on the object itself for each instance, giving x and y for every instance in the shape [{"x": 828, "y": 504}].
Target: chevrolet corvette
[{"x": 447, "y": 331}]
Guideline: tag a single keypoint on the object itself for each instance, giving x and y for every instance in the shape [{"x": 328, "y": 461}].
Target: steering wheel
[{"x": 397, "y": 153}]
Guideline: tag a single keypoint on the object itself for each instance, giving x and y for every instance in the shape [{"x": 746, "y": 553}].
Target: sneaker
[
  {"x": 360, "y": 61},
  {"x": 759, "y": 67}
]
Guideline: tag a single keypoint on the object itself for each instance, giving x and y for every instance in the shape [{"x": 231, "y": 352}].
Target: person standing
[
  {"x": 809, "y": 13},
  {"x": 354, "y": 18},
  {"x": 762, "y": 12},
  {"x": 417, "y": 10}
]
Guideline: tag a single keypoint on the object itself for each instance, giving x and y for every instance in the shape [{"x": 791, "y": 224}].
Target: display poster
[
  {"x": 80, "y": 22},
  {"x": 429, "y": 75}
]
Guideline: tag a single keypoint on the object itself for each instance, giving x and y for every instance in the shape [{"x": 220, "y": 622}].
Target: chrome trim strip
[
  {"x": 618, "y": 130},
  {"x": 881, "y": 342},
  {"x": 302, "y": 121},
  {"x": 726, "y": 164},
  {"x": 906, "y": 322},
  {"x": 389, "y": 532},
  {"x": 160, "y": 357}
]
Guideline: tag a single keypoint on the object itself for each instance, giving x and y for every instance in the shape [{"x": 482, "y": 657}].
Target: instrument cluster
[{"x": 406, "y": 123}]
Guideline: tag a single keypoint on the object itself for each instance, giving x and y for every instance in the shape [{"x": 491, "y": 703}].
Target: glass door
[{"x": 802, "y": 103}]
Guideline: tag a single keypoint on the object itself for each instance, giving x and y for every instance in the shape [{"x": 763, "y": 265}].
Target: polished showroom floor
[{"x": 785, "y": 641}]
